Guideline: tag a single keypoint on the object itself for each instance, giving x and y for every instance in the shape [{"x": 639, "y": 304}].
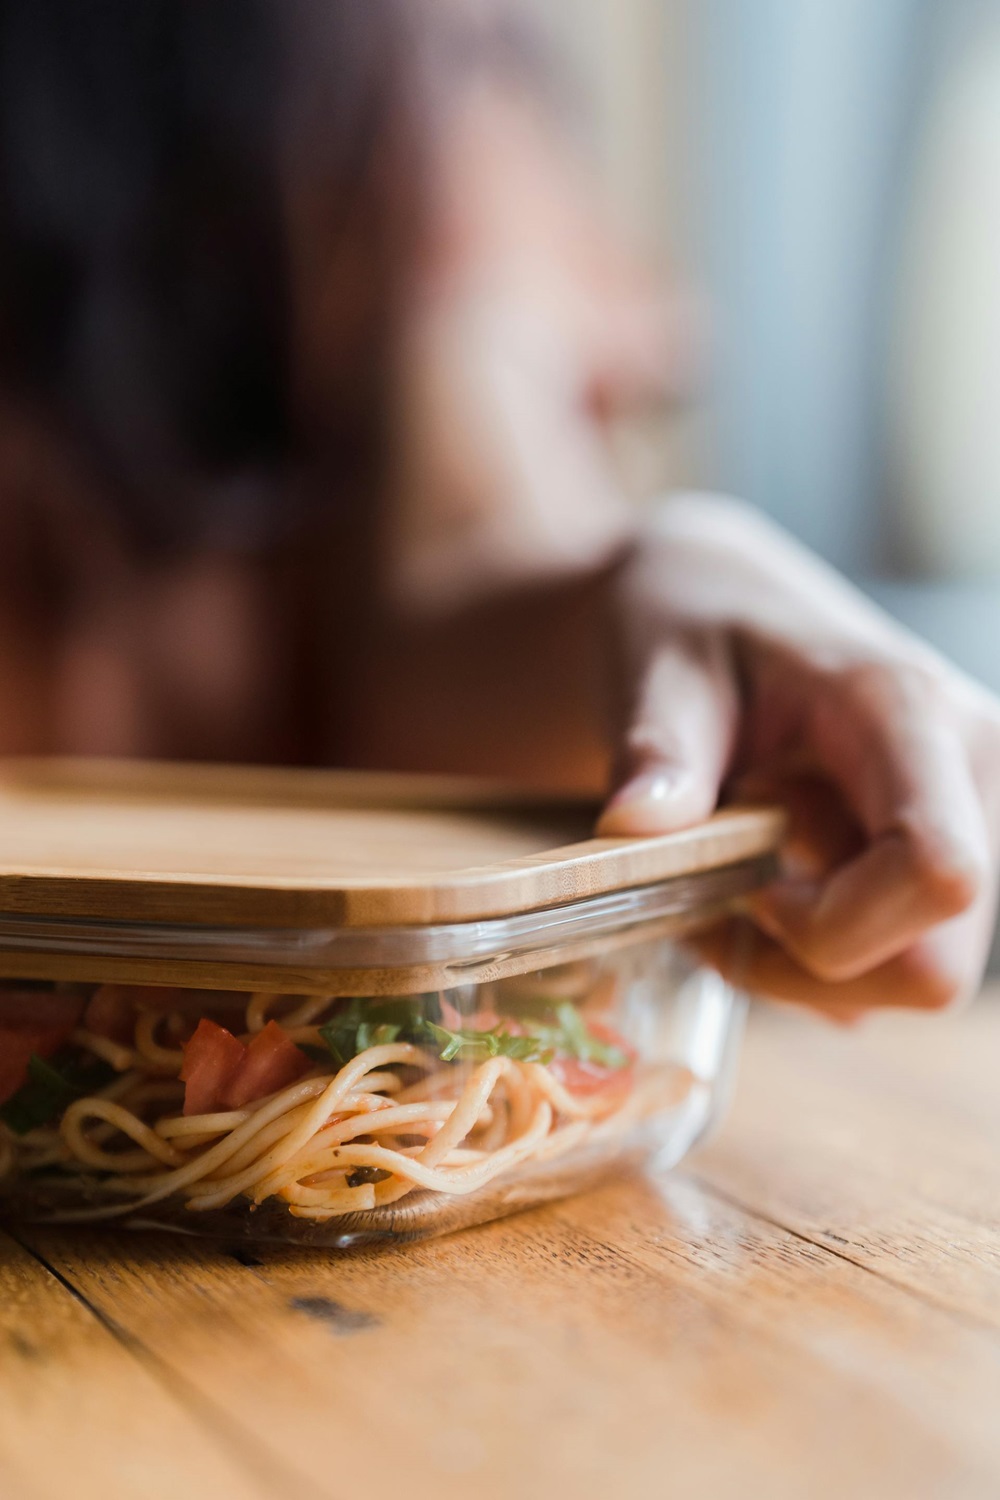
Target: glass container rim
[{"x": 695, "y": 896}]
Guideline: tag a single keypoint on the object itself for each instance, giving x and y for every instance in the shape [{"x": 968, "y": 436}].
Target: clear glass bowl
[{"x": 399, "y": 1083}]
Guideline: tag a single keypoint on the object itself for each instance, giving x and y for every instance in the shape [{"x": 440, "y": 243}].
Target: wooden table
[{"x": 812, "y": 1309}]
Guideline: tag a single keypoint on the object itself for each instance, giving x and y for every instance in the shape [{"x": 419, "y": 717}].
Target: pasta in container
[{"x": 336, "y": 1009}]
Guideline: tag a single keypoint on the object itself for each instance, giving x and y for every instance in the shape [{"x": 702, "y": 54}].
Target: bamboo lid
[{"x": 226, "y": 846}]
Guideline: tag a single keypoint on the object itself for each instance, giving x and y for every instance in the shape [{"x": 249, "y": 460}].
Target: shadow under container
[{"x": 335, "y": 1009}]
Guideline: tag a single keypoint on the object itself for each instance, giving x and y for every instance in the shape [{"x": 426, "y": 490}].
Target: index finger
[{"x": 927, "y": 860}]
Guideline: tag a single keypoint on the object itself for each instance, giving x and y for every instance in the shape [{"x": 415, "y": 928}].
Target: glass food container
[{"x": 336, "y": 1009}]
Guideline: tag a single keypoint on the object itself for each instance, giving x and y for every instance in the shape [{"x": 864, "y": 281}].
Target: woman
[{"x": 311, "y": 339}]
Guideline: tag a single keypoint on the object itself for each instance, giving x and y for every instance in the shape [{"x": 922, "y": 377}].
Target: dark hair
[{"x": 158, "y": 159}]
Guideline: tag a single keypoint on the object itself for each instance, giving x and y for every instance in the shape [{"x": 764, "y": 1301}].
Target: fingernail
[
  {"x": 648, "y": 804},
  {"x": 651, "y": 786}
]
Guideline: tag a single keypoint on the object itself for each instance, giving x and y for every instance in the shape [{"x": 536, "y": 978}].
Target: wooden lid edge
[{"x": 533, "y": 882}]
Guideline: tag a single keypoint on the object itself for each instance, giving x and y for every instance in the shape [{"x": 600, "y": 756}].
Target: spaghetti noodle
[{"x": 328, "y": 1107}]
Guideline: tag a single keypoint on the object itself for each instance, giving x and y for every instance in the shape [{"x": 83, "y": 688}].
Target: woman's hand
[
  {"x": 757, "y": 672},
  {"x": 751, "y": 670}
]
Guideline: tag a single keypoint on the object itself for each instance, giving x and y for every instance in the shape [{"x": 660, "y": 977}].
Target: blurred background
[{"x": 824, "y": 173}]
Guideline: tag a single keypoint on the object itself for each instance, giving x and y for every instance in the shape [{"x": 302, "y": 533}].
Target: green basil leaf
[
  {"x": 385, "y": 1034},
  {"x": 50, "y": 1087},
  {"x": 378, "y": 1021}
]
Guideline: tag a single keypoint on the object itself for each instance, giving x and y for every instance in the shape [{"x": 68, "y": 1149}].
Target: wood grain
[
  {"x": 81, "y": 1413},
  {"x": 211, "y": 845},
  {"x": 905, "y": 1117},
  {"x": 813, "y": 1309}
]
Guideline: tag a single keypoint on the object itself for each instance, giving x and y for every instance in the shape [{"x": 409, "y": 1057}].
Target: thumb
[{"x": 677, "y": 740}]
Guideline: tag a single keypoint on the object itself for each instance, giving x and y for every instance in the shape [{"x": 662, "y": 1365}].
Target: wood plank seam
[
  {"x": 120, "y": 1334},
  {"x": 241, "y": 1443}
]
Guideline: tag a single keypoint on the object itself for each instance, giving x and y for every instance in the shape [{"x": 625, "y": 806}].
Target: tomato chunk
[
  {"x": 32, "y": 1022},
  {"x": 220, "y": 1073},
  {"x": 602, "y": 1032},
  {"x": 271, "y": 1062},
  {"x": 111, "y": 1013},
  {"x": 586, "y": 1078},
  {"x": 212, "y": 1059},
  {"x": 480, "y": 1020},
  {"x": 17, "y": 1046},
  {"x": 40, "y": 1009}
]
